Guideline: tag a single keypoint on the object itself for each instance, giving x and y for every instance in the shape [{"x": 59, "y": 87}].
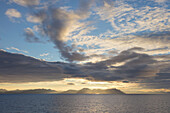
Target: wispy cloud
[
  {"x": 160, "y": 1},
  {"x": 126, "y": 19},
  {"x": 16, "y": 49},
  {"x": 44, "y": 54}
]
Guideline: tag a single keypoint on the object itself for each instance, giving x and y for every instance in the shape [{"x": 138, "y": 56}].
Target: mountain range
[{"x": 49, "y": 91}]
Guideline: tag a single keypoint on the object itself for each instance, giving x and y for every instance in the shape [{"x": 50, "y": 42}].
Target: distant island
[
  {"x": 93, "y": 91},
  {"x": 31, "y": 91},
  {"x": 49, "y": 91}
]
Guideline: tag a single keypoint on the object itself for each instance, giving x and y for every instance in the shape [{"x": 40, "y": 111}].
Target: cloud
[
  {"x": 26, "y": 2},
  {"x": 70, "y": 84},
  {"x": 20, "y": 68},
  {"x": 33, "y": 19},
  {"x": 135, "y": 66},
  {"x": 141, "y": 67},
  {"x": 126, "y": 19},
  {"x": 154, "y": 43},
  {"x": 13, "y": 13},
  {"x": 58, "y": 23},
  {"x": 148, "y": 71},
  {"x": 63, "y": 26},
  {"x": 162, "y": 78},
  {"x": 13, "y": 48},
  {"x": 44, "y": 54},
  {"x": 30, "y": 36},
  {"x": 145, "y": 27},
  {"x": 3, "y": 50},
  {"x": 160, "y": 1},
  {"x": 84, "y": 7},
  {"x": 162, "y": 50},
  {"x": 129, "y": 51},
  {"x": 159, "y": 91}
]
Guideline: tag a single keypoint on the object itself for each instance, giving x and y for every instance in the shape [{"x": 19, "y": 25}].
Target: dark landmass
[
  {"x": 31, "y": 91},
  {"x": 93, "y": 91},
  {"x": 49, "y": 91},
  {"x": 2, "y": 90}
]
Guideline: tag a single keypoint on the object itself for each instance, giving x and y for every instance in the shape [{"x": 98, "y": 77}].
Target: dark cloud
[
  {"x": 140, "y": 66},
  {"x": 158, "y": 82},
  {"x": 136, "y": 49},
  {"x": 122, "y": 57},
  {"x": 165, "y": 58},
  {"x": 136, "y": 67},
  {"x": 163, "y": 35},
  {"x": 84, "y": 7},
  {"x": 70, "y": 84},
  {"x": 125, "y": 81},
  {"x": 20, "y": 68},
  {"x": 56, "y": 24},
  {"x": 30, "y": 36},
  {"x": 163, "y": 48},
  {"x": 161, "y": 38},
  {"x": 161, "y": 79}
]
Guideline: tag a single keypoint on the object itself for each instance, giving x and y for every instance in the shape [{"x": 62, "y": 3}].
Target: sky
[{"x": 74, "y": 44}]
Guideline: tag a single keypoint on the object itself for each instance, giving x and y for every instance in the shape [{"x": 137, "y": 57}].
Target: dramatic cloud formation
[
  {"x": 57, "y": 23},
  {"x": 62, "y": 25},
  {"x": 107, "y": 41},
  {"x": 136, "y": 67},
  {"x": 13, "y": 13}
]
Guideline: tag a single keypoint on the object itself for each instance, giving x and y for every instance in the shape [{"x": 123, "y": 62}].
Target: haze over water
[{"x": 35, "y": 103}]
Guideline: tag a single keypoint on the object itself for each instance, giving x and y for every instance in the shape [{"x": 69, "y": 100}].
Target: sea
[{"x": 58, "y": 103}]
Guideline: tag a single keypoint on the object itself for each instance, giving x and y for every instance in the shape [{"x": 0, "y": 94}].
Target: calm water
[{"x": 84, "y": 103}]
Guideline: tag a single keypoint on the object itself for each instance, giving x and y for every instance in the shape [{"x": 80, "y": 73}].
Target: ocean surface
[{"x": 51, "y": 103}]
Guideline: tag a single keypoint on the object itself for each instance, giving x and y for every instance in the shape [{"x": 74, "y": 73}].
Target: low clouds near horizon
[{"x": 17, "y": 68}]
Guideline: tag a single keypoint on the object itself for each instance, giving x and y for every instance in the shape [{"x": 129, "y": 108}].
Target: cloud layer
[{"x": 135, "y": 67}]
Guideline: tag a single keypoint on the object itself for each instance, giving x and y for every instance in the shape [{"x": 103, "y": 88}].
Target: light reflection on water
[{"x": 84, "y": 103}]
